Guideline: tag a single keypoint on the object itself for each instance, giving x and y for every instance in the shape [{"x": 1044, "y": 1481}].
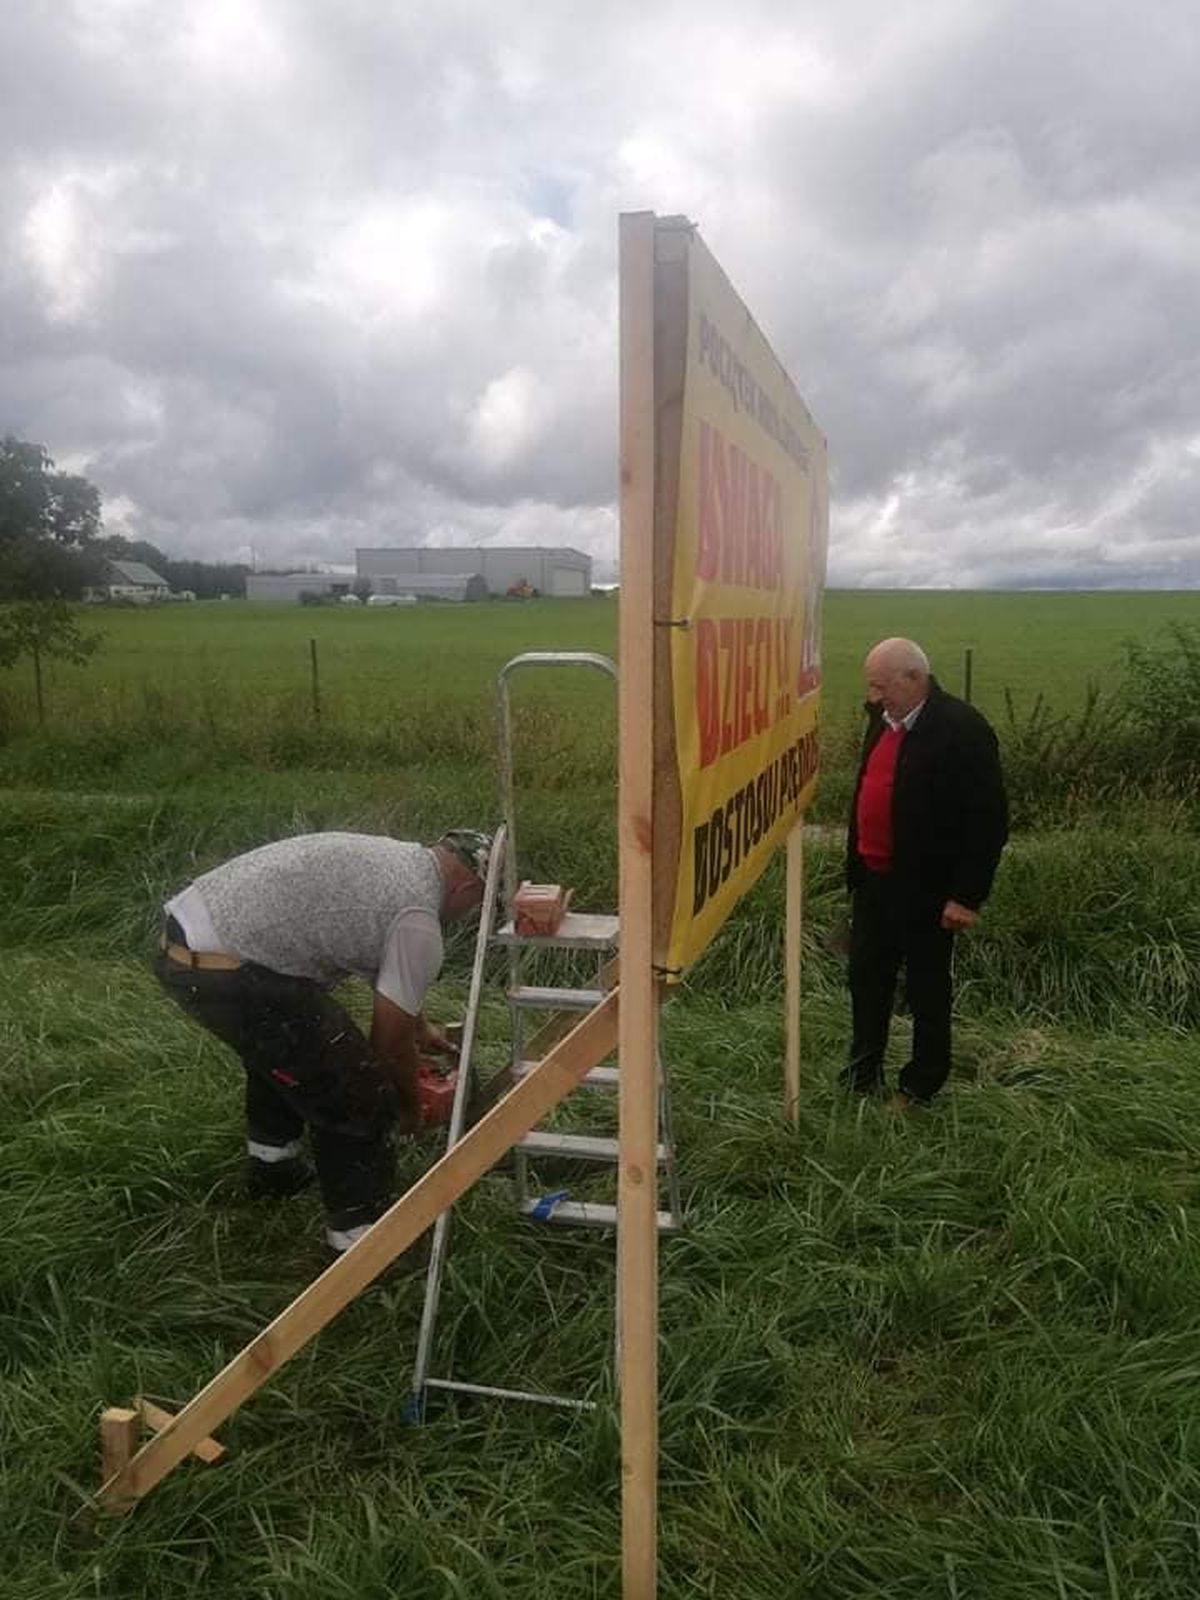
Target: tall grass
[
  {"x": 953, "y": 1356},
  {"x": 883, "y": 1347}
]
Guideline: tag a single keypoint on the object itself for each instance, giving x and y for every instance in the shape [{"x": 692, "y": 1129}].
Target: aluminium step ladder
[{"x": 582, "y": 938}]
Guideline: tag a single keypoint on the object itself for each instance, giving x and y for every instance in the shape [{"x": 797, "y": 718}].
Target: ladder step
[
  {"x": 597, "y": 1078},
  {"x": 578, "y": 930},
  {"x": 585, "y": 1147},
  {"x": 585, "y": 1213},
  {"x": 557, "y": 999}
]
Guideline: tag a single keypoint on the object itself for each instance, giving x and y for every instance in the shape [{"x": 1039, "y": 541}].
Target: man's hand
[
  {"x": 432, "y": 1041},
  {"x": 956, "y": 918},
  {"x": 394, "y": 1036}
]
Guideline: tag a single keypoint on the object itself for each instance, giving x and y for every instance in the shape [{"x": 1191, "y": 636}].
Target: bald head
[{"x": 897, "y": 674}]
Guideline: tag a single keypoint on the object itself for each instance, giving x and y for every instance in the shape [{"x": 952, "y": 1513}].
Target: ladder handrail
[
  {"x": 529, "y": 658},
  {"x": 458, "y": 1118}
]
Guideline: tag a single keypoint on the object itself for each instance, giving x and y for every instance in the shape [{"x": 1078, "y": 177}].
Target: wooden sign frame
[{"x": 660, "y": 402}]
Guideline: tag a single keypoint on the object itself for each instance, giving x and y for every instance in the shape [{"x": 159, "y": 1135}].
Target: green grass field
[{"x": 955, "y": 1357}]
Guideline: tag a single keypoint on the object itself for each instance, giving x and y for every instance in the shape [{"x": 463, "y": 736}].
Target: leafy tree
[
  {"x": 48, "y": 522},
  {"x": 38, "y": 503},
  {"x": 40, "y": 628}
]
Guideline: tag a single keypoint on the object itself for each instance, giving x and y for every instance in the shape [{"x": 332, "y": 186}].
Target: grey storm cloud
[{"x": 291, "y": 277}]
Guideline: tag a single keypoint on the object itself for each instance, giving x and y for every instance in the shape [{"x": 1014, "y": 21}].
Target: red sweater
[{"x": 875, "y": 802}]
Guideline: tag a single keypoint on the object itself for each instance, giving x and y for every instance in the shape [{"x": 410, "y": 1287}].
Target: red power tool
[{"x": 436, "y": 1083}]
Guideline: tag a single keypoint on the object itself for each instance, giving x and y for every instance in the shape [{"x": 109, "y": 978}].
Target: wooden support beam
[
  {"x": 532, "y": 1099},
  {"x": 637, "y": 1184},
  {"x": 791, "y": 973}
]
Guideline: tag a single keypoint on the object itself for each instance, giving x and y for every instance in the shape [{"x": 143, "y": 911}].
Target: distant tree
[
  {"x": 38, "y": 503},
  {"x": 48, "y": 523},
  {"x": 40, "y": 628}
]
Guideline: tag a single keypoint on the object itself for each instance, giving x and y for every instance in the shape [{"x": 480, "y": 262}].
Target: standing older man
[
  {"x": 250, "y": 950},
  {"x": 928, "y": 824}
]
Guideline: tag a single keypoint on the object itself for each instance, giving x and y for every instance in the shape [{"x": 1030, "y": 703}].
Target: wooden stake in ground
[
  {"x": 791, "y": 973},
  {"x": 532, "y": 1099},
  {"x": 637, "y": 1219}
]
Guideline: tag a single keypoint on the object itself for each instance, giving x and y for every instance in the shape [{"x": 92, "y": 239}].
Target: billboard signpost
[{"x": 724, "y": 505}]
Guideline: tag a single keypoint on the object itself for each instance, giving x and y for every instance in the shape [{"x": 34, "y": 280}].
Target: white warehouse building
[
  {"x": 289, "y": 586},
  {"x": 550, "y": 571}
]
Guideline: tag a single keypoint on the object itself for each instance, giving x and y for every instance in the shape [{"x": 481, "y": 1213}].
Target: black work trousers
[
  {"x": 892, "y": 926},
  {"x": 306, "y": 1061}
]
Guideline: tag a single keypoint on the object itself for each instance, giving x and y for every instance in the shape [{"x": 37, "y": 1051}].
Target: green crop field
[
  {"x": 222, "y": 661},
  {"x": 951, "y": 1357}
]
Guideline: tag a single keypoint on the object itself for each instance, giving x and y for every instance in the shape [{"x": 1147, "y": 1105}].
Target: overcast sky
[{"x": 296, "y": 275}]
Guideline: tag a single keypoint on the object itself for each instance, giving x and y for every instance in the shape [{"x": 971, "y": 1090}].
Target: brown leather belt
[{"x": 199, "y": 960}]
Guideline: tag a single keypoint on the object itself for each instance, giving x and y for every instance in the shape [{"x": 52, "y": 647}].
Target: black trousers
[
  {"x": 306, "y": 1061},
  {"x": 892, "y": 927}
]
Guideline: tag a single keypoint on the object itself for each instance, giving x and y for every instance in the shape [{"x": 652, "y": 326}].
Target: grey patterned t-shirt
[{"x": 326, "y": 906}]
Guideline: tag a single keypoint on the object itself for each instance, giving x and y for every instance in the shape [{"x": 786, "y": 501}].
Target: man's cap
[{"x": 472, "y": 848}]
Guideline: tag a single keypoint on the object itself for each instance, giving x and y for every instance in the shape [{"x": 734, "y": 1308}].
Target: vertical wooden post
[
  {"x": 968, "y": 662},
  {"x": 791, "y": 972},
  {"x": 37, "y": 685},
  {"x": 316, "y": 684},
  {"x": 637, "y": 1225},
  {"x": 120, "y": 1432}
]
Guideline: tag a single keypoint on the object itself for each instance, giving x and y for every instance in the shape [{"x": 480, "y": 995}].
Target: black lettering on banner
[
  {"x": 699, "y": 868},
  {"x": 723, "y": 842},
  {"x": 739, "y": 808},
  {"x": 716, "y": 841}
]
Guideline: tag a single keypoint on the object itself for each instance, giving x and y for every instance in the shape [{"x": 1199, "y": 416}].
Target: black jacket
[{"x": 949, "y": 808}]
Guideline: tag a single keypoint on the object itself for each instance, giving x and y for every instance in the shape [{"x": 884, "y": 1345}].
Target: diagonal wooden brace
[{"x": 532, "y": 1099}]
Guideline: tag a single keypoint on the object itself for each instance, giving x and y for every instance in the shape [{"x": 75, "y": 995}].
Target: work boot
[{"x": 340, "y": 1239}]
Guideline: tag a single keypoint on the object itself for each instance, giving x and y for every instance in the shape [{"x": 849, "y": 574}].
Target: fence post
[
  {"x": 968, "y": 659},
  {"x": 37, "y": 685},
  {"x": 316, "y": 682}
]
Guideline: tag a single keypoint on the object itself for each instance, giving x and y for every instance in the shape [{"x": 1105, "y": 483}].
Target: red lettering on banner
[
  {"x": 762, "y": 668},
  {"x": 728, "y": 634},
  {"x": 708, "y": 691},
  {"x": 746, "y": 677},
  {"x": 740, "y": 528},
  {"x": 756, "y": 489},
  {"x": 744, "y": 680},
  {"x": 733, "y": 518}
]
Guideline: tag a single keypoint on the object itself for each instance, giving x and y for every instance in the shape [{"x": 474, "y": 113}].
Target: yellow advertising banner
[{"x": 745, "y": 607}]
